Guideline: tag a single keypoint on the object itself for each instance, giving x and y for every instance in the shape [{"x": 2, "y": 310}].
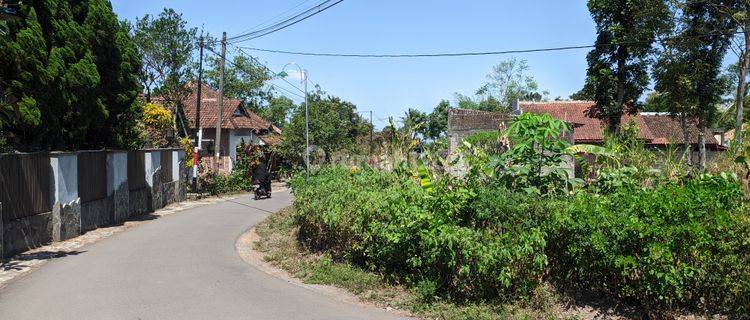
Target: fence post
[
  {"x": 66, "y": 208},
  {"x": 117, "y": 184}
]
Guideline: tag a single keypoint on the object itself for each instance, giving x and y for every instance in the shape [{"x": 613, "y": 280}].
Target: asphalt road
[{"x": 181, "y": 266}]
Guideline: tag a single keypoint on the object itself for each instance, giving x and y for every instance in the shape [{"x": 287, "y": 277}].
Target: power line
[
  {"x": 322, "y": 6},
  {"x": 419, "y": 55},
  {"x": 274, "y": 17},
  {"x": 248, "y": 72},
  {"x": 470, "y": 53}
]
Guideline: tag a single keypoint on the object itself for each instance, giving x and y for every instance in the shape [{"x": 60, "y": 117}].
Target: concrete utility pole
[
  {"x": 199, "y": 133},
  {"x": 220, "y": 106},
  {"x": 307, "y": 129}
]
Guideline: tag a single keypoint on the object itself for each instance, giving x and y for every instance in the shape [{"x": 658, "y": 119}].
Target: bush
[
  {"x": 389, "y": 224},
  {"x": 668, "y": 247},
  {"x": 671, "y": 247}
]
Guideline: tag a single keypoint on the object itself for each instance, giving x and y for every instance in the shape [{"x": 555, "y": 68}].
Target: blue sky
[{"x": 391, "y": 86}]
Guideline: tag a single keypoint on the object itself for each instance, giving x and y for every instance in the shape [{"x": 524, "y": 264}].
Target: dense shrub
[
  {"x": 392, "y": 225},
  {"x": 669, "y": 247}
]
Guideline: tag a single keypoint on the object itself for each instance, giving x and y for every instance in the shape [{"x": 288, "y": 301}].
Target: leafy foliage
[
  {"x": 670, "y": 247},
  {"x": 166, "y": 45},
  {"x": 509, "y": 82},
  {"x": 69, "y": 72},
  {"x": 334, "y": 126},
  {"x": 537, "y": 150},
  {"x": 617, "y": 73},
  {"x": 158, "y": 125},
  {"x": 424, "y": 235}
]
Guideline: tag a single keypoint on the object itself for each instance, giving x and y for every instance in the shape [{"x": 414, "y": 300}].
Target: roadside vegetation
[
  {"x": 279, "y": 242},
  {"x": 639, "y": 230}
]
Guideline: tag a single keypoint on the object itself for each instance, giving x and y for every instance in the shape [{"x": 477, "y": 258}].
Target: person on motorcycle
[{"x": 262, "y": 175}]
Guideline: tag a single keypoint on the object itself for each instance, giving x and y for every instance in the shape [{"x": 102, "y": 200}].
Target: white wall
[
  {"x": 64, "y": 179},
  {"x": 153, "y": 164},
  {"x": 236, "y": 137},
  {"x": 177, "y": 157},
  {"x": 117, "y": 170}
]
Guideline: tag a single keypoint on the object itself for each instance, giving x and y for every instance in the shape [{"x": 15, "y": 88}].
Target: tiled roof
[
  {"x": 667, "y": 130},
  {"x": 233, "y": 115},
  {"x": 653, "y": 129},
  {"x": 586, "y": 129}
]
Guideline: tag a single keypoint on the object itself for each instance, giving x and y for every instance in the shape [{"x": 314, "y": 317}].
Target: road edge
[{"x": 245, "y": 247}]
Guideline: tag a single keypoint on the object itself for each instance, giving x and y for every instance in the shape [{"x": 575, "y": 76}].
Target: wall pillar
[
  {"x": 117, "y": 184},
  {"x": 180, "y": 173},
  {"x": 66, "y": 208},
  {"x": 154, "y": 179}
]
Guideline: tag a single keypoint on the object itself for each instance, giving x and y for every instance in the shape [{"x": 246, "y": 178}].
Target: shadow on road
[{"x": 17, "y": 263}]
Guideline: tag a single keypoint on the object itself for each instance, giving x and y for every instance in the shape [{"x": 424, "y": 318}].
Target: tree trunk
[
  {"x": 702, "y": 143},
  {"x": 744, "y": 65},
  {"x": 620, "y": 103},
  {"x": 688, "y": 155}
]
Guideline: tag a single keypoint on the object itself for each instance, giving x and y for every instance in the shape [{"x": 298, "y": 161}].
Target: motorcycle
[{"x": 260, "y": 191}]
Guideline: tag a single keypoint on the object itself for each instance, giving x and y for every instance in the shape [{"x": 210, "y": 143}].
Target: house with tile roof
[
  {"x": 656, "y": 130},
  {"x": 238, "y": 124}
]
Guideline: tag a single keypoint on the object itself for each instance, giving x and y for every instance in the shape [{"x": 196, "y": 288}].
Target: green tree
[
  {"x": 617, "y": 73},
  {"x": 244, "y": 79},
  {"x": 738, "y": 11},
  {"x": 69, "y": 72},
  {"x": 277, "y": 110},
  {"x": 166, "y": 45},
  {"x": 690, "y": 71},
  {"x": 509, "y": 82},
  {"x": 415, "y": 121},
  {"x": 334, "y": 126},
  {"x": 437, "y": 122},
  {"x": 487, "y": 103}
]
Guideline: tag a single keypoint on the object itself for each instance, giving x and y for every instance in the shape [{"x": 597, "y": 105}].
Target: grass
[{"x": 278, "y": 241}]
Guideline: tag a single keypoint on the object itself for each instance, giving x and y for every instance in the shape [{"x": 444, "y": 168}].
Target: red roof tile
[
  {"x": 585, "y": 128},
  {"x": 668, "y": 130},
  {"x": 654, "y": 129},
  {"x": 233, "y": 115}
]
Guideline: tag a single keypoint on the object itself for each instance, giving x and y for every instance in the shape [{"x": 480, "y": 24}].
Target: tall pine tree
[{"x": 69, "y": 69}]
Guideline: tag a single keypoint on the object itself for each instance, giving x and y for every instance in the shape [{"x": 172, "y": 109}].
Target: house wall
[
  {"x": 235, "y": 139},
  {"x": 210, "y": 134}
]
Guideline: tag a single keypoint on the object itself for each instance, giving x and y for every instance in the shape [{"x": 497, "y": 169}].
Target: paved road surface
[{"x": 181, "y": 266}]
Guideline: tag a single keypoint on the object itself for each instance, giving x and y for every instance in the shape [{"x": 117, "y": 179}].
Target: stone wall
[
  {"x": 69, "y": 217},
  {"x": 138, "y": 201},
  {"x": 96, "y": 214},
  {"x": 20, "y": 235}
]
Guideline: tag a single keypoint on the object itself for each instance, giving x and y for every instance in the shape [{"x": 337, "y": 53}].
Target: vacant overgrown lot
[{"x": 665, "y": 249}]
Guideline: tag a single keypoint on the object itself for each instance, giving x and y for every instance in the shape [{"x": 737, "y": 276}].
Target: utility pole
[
  {"x": 220, "y": 106},
  {"x": 199, "y": 133},
  {"x": 307, "y": 129},
  {"x": 372, "y": 131}
]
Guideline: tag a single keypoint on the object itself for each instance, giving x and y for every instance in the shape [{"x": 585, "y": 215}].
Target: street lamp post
[{"x": 303, "y": 73}]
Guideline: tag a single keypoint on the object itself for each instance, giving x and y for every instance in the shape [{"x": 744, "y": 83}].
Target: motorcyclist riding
[{"x": 263, "y": 177}]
